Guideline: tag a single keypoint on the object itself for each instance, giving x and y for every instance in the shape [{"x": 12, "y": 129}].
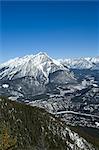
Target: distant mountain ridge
[{"x": 82, "y": 63}]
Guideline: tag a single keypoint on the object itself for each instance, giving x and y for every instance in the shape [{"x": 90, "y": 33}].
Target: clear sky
[{"x": 63, "y": 29}]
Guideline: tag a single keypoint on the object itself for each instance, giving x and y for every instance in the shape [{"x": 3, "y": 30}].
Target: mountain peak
[
  {"x": 42, "y": 53},
  {"x": 41, "y": 57}
]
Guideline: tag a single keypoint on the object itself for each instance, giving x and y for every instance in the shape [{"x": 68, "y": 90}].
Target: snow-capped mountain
[
  {"x": 28, "y": 76},
  {"x": 82, "y": 63},
  {"x": 40, "y": 65}
]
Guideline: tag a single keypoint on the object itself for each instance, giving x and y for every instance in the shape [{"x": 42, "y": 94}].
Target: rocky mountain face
[
  {"x": 71, "y": 93},
  {"x": 30, "y": 128}
]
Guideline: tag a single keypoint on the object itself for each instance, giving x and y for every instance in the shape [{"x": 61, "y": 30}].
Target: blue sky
[{"x": 63, "y": 29}]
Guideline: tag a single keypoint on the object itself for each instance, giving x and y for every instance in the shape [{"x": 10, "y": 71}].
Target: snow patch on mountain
[{"x": 5, "y": 85}]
